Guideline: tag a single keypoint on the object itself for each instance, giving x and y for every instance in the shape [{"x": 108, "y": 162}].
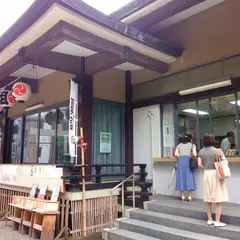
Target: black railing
[
  {"x": 95, "y": 180},
  {"x": 76, "y": 176}
]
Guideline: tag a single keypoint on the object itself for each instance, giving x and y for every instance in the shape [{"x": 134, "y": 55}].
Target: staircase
[{"x": 167, "y": 218}]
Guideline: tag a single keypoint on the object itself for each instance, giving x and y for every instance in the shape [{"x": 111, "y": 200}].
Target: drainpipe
[{"x": 151, "y": 116}]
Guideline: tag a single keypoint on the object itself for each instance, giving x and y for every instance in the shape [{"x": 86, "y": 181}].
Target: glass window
[
  {"x": 216, "y": 115},
  {"x": 62, "y": 152},
  {"x": 224, "y": 123},
  {"x": 30, "y": 139},
  {"x": 187, "y": 120},
  {"x": 47, "y": 138},
  {"x": 16, "y": 140}
]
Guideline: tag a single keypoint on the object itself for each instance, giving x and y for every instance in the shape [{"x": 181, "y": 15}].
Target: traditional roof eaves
[
  {"x": 39, "y": 7},
  {"x": 130, "y": 8}
]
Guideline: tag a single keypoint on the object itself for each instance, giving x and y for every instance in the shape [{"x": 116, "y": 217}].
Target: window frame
[
  {"x": 23, "y": 116},
  {"x": 209, "y": 97}
]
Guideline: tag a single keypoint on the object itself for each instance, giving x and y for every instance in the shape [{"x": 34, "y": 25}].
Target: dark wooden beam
[
  {"x": 101, "y": 62},
  {"x": 166, "y": 11},
  {"x": 148, "y": 62},
  {"x": 128, "y": 122},
  {"x": 4, "y": 136},
  {"x": 60, "y": 62}
]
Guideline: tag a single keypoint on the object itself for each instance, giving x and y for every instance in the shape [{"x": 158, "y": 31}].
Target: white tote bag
[{"x": 222, "y": 167}]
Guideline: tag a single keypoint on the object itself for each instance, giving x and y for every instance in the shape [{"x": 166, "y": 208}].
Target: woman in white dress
[{"x": 215, "y": 190}]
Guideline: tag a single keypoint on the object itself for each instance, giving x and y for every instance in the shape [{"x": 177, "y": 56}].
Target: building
[{"x": 132, "y": 67}]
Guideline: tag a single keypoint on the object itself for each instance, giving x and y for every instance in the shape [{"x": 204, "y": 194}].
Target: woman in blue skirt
[{"x": 185, "y": 180}]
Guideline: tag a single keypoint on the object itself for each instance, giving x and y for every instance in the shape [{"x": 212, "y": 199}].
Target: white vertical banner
[{"x": 72, "y": 117}]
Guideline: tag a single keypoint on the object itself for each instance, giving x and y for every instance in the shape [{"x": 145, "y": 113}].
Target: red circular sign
[
  {"x": 11, "y": 98},
  {"x": 19, "y": 89}
]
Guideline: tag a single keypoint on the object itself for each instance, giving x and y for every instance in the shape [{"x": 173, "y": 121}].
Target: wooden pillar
[
  {"x": 4, "y": 137},
  {"x": 128, "y": 122},
  {"x": 85, "y": 107}
]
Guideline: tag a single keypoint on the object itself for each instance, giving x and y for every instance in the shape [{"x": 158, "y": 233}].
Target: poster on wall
[
  {"x": 168, "y": 136},
  {"x": 50, "y": 172},
  {"x": 9, "y": 174},
  {"x": 72, "y": 116},
  {"x": 27, "y": 176},
  {"x": 105, "y": 142}
]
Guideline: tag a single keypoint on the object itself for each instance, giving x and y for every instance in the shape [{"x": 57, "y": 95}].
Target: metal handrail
[{"x": 111, "y": 195}]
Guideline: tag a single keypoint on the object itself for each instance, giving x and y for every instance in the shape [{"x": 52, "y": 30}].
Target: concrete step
[
  {"x": 184, "y": 223},
  {"x": 120, "y": 234},
  {"x": 160, "y": 232},
  {"x": 193, "y": 209}
]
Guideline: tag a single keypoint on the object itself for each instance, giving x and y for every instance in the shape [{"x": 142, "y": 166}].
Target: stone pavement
[{"x": 6, "y": 233}]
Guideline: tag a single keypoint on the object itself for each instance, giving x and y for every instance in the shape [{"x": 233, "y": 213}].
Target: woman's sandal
[
  {"x": 189, "y": 199},
  {"x": 183, "y": 199}
]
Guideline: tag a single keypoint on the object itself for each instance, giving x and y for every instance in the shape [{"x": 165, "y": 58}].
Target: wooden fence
[{"x": 98, "y": 215}]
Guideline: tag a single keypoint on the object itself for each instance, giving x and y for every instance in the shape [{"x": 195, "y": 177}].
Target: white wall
[{"x": 142, "y": 143}]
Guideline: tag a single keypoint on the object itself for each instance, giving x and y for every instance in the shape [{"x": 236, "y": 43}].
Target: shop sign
[
  {"x": 105, "y": 142},
  {"x": 168, "y": 136}
]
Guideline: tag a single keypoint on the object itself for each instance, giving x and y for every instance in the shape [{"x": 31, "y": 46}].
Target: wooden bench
[{"x": 35, "y": 217}]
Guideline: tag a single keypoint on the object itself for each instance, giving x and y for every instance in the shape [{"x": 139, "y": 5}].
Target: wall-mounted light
[
  {"x": 206, "y": 87},
  {"x": 194, "y": 111},
  {"x": 234, "y": 102},
  {"x": 34, "y": 107}
]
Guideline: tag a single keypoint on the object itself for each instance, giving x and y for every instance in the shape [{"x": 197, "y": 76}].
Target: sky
[{"x": 11, "y": 10}]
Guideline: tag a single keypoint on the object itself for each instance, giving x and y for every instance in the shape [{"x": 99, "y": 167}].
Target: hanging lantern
[
  {"x": 7, "y": 99},
  {"x": 49, "y": 118},
  {"x": 21, "y": 91}
]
